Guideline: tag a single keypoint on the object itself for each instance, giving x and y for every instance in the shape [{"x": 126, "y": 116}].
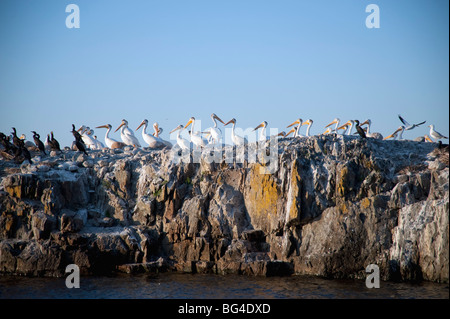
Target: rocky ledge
[{"x": 334, "y": 205}]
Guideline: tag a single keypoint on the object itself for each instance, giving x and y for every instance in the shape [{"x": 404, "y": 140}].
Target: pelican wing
[
  {"x": 420, "y": 123},
  {"x": 403, "y": 121}
]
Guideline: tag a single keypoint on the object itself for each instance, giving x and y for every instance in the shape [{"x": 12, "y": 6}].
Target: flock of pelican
[
  {"x": 85, "y": 138},
  {"x": 213, "y": 135}
]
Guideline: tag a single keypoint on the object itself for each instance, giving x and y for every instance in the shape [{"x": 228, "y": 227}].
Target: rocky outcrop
[{"x": 334, "y": 205}]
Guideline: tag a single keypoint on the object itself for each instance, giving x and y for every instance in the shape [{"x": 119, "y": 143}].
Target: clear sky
[{"x": 255, "y": 60}]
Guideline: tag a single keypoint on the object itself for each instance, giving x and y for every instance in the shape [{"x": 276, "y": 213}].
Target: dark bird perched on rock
[
  {"x": 76, "y": 134},
  {"x": 359, "y": 129},
  {"x": 8, "y": 150},
  {"x": 16, "y": 140},
  {"x": 4, "y": 140},
  {"x": 54, "y": 144},
  {"x": 38, "y": 142},
  {"x": 25, "y": 153},
  {"x": 18, "y": 153},
  {"x": 79, "y": 144}
]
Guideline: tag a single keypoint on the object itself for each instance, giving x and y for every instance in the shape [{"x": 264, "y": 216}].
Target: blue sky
[{"x": 253, "y": 60}]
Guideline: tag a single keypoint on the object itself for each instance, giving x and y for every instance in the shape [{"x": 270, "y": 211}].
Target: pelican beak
[
  {"x": 365, "y": 122},
  {"x": 260, "y": 125},
  {"x": 306, "y": 123},
  {"x": 282, "y": 134},
  {"x": 219, "y": 119},
  {"x": 79, "y": 129},
  {"x": 122, "y": 124},
  {"x": 296, "y": 122},
  {"x": 334, "y": 122},
  {"x": 188, "y": 123},
  {"x": 102, "y": 126},
  {"x": 291, "y": 131},
  {"x": 142, "y": 123},
  {"x": 343, "y": 126},
  {"x": 388, "y": 137},
  {"x": 177, "y": 128},
  {"x": 230, "y": 121}
]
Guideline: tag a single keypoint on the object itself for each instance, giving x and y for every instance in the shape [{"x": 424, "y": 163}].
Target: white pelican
[
  {"x": 159, "y": 130},
  {"x": 99, "y": 144},
  {"x": 237, "y": 140},
  {"x": 335, "y": 121},
  {"x": 395, "y": 135},
  {"x": 111, "y": 143},
  {"x": 215, "y": 132},
  {"x": 297, "y": 131},
  {"x": 151, "y": 140},
  {"x": 126, "y": 129},
  {"x": 196, "y": 139},
  {"x": 349, "y": 125},
  {"x": 309, "y": 123},
  {"x": 436, "y": 135},
  {"x": 183, "y": 143},
  {"x": 409, "y": 126},
  {"x": 127, "y": 135},
  {"x": 262, "y": 134},
  {"x": 375, "y": 135},
  {"x": 86, "y": 138}
]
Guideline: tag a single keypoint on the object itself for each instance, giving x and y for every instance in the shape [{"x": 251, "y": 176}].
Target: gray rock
[
  {"x": 88, "y": 164},
  {"x": 42, "y": 224},
  {"x": 43, "y": 168},
  {"x": 72, "y": 221}
]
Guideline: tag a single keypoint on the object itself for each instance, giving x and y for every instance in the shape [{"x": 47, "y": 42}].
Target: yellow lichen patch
[
  {"x": 340, "y": 187},
  {"x": 219, "y": 180},
  {"x": 14, "y": 191},
  {"x": 365, "y": 203},
  {"x": 343, "y": 208},
  {"x": 293, "y": 196},
  {"x": 261, "y": 196}
]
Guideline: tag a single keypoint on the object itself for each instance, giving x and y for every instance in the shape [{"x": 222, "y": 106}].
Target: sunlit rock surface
[{"x": 333, "y": 206}]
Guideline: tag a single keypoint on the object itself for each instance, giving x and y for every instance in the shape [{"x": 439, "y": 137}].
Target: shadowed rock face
[{"x": 335, "y": 205}]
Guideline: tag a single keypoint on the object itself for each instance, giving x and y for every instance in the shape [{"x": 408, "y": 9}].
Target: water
[{"x": 198, "y": 286}]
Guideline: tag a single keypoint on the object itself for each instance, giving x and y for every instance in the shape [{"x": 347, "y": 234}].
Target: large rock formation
[{"x": 334, "y": 205}]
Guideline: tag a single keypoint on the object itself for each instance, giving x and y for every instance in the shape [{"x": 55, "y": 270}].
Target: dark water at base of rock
[{"x": 200, "y": 286}]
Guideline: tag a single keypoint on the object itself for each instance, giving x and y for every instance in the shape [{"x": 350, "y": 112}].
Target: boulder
[{"x": 72, "y": 221}]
